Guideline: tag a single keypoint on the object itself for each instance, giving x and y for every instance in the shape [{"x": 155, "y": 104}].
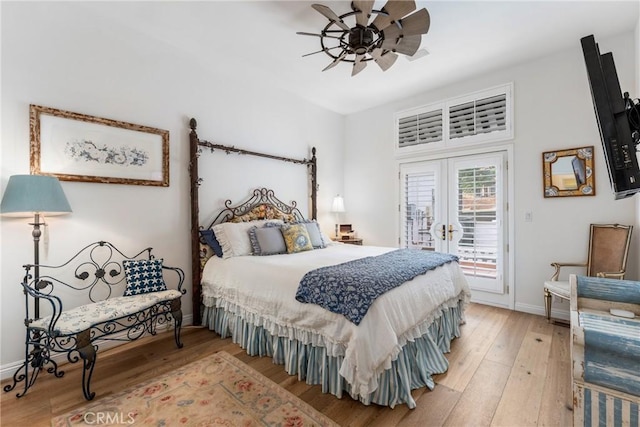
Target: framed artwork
[
  {"x": 78, "y": 147},
  {"x": 569, "y": 172}
]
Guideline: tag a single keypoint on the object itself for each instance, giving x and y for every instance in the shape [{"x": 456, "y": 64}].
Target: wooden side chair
[{"x": 607, "y": 257}]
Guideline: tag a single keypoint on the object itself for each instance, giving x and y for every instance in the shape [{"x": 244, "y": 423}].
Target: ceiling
[{"x": 257, "y": 41}]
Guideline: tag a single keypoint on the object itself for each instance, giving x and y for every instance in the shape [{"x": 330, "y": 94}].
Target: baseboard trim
[
  {"x": 539, "y": 310},
  {"x": 7, "y": 370}
]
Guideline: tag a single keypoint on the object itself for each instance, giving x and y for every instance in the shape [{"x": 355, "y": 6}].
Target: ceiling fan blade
[
  {"x": 326, "y": 49},
  {"x": 358, "y": 65},
  {"x": 384, "y": 61},
  {"x": 313, "y": 53},
  {"x": 302, "y": 33},
  {"x": 365, "y": 7},
  {"x": 336, "y": 61},
  {"x": 395, "y": 10},
  {"x": 330, "y": 15},
  {"x": 392, "y": 36},
  {"x": 416, "y": 23},
  {"x": 409, "y": 45}
]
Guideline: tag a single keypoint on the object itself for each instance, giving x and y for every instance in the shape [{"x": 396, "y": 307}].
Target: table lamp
[{"x": 337, "y": 207}]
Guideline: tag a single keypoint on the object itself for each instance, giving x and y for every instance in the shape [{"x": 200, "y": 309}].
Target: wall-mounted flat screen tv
[{"x": 618, "y": 118}]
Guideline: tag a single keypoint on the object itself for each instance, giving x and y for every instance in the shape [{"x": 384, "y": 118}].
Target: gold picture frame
[
  {"x": 569, "y": 173},
  {"x": 78, "y": 147}
]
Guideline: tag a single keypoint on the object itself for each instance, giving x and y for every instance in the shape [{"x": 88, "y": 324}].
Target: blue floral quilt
[{"x": 350, "y": 288}]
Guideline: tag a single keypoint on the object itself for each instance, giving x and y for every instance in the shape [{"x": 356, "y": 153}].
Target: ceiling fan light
[{"x": 416, "y": 23}]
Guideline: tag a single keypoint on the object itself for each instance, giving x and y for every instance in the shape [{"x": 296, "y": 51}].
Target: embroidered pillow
[
  {"x": 210, "y": 238},
  {"x": 315, "y": 234},
  {"x": 296, "y": 237},
  {"x": 143, "y": 276},
  {"x": 267, "y": 240}
]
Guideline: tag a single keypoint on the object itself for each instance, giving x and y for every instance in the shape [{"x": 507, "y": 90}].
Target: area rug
[{"x": 216, "y": 390}]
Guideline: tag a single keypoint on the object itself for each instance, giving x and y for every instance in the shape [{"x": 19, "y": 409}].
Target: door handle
[{"x": 451, "y": 231}]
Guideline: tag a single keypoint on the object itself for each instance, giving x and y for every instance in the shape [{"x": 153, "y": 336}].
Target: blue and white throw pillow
[
  {"x": 296, "y": 237},
  {"x": 315, "y": 234},
  {"x": 143, "y": 276}
]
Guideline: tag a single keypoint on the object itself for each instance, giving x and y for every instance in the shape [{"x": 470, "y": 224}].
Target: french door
[{"x": 458, "y": 205}]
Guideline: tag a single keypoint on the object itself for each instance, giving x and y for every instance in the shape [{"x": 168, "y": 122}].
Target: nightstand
[{"x": 351, "y": 241}]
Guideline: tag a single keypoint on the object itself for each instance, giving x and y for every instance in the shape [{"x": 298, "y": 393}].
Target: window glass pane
[
  {"x": 478, "y": 247},
  {"x": 419, "y": 207}
]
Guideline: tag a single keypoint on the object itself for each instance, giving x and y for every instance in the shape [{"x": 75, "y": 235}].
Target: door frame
[{"x": 509, "y": 215}]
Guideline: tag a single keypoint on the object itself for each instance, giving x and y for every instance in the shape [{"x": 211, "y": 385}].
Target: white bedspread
[{"x": 262, "y": 290}]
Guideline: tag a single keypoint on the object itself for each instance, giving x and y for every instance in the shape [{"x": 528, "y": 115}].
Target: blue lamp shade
[{"x": 26, "y": 195}]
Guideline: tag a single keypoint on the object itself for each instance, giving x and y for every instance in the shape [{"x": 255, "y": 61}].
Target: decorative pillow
[
  {"x": 205, "y": 253},
  {"x": 143, "y": 276},
  {"x": 210, "y": 238},
  {"x": 296, "y": 237},
  {"x": 267, "y": 240},
  {"x": 234, "y": 237},
  {"x": 314, "y": 234},
  {"x": 326, "y": 239}
]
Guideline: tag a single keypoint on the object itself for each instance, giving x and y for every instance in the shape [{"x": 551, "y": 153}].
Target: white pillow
[{"x": 234, "y": 236}]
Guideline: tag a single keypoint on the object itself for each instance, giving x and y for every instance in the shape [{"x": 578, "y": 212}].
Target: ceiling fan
[{"x": 392, "y": 31}]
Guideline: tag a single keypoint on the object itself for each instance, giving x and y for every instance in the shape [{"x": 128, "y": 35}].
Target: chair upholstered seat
[
  {"x": 561, "y": 289},
  {"x": 607, "y": 257}
]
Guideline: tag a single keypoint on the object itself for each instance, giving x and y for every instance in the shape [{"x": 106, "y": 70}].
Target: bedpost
[
  {"x": 314, "y": 184},
  {"x": 195, "y": 222}
]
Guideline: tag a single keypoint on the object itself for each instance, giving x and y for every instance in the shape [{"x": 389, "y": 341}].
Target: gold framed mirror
[{"x": 568, "y": 173}]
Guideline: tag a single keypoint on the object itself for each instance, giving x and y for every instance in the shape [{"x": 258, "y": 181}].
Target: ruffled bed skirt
[{"x": 418, "y": 360}]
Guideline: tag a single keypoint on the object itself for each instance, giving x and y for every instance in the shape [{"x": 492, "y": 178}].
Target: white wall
[
  {"x": 64, "y": 56},
  {"x": 553, "y": 110}
]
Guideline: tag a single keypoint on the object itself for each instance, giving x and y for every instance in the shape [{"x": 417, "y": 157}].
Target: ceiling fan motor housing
[{"x": 360, "y": 39}]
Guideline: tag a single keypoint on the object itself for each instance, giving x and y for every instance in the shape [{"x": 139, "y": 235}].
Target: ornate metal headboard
[
  {"x": 263, "y": 204},
  {"x": 261, "y": 197}
]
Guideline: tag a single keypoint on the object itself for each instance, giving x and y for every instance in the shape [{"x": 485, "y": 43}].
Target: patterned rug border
[{"x": 77, "y": 416}]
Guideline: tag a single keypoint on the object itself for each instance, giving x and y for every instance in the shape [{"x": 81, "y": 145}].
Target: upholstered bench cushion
[
  {"x": 81, "y": 318},
  {"x": 611, "y": 350}
]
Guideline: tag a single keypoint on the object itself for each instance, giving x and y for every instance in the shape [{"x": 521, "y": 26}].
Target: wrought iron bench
[{"x": 108, "y": 297}]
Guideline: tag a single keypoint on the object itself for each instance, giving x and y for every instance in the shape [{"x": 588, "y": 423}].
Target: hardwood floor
[{"x": 507, "y": 369}]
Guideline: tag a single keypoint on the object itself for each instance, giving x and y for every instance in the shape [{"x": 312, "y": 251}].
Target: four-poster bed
[{"x": 248, "y": 282}]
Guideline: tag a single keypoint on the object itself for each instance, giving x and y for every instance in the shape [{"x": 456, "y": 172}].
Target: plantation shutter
[
  {"x": 422, "y": 128},
  {"x": 419, "y": 192},
  {"x": 477, "y": 214},
  {"x": 484, "y": 115},
  {"x": 477, "y": 118}
]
